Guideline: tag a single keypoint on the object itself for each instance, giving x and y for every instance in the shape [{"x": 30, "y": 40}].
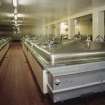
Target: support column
[
  {"x": 98, "y": 25},
  {"x": 77, "y": 26},
  {"x": 71, "y": 28}
]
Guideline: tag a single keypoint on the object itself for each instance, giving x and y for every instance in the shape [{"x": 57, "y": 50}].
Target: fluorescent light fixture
[
  {"x": 19, "y": 21},
  {"x": 15, "y": 3},
  {"x": 15, "y": 11},
  {"x": 18, "y": 15},
  {"x": 15, "y": 22},
  {"x": 21, "y": 15},
  {"x": 16, "y": 25},
  {"x": 27, "y": 2},
  {"x": 15, "y": 17}
]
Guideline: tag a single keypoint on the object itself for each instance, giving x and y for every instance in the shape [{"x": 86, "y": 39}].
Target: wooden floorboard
[{"x": 18, "y": 87}]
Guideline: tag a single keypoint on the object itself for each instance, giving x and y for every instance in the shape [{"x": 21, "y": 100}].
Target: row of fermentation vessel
[{"x": 69, "y": 69}]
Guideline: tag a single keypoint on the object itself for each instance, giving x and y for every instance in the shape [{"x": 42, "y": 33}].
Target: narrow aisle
[{"x": 17, "y": 86}]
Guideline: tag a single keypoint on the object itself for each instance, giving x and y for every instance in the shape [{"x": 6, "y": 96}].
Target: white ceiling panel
[{"x": 35, "y": 12}]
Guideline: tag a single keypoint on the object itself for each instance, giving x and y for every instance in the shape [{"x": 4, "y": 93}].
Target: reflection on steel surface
[{"x": 71, "y": 52}]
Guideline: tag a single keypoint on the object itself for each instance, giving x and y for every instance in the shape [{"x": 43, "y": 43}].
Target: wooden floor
[{"x": 18, "y": 87}]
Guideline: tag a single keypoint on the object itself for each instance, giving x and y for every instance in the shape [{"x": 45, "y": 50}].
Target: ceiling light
[
  {"x": 21, "y": 15},
  {"x": 15, "y": 3},
  {"x": 15, "y": 11},
  {"x": 15, "y": 17},
  {"x": 18, "y": 15},
  {"x": 19, "y": 21},
  {"x": 27, "y": 2},
  {"x": 16, "y": 25},
  {"x": 15, "y": 22}
]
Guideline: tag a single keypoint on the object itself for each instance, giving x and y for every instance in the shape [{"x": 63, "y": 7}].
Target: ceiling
[{"x": 34, "y": 13}]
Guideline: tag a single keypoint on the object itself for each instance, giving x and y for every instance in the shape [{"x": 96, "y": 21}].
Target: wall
[
  {"x": 85, "y": 27},
  {"x": 26, "y": 30}
]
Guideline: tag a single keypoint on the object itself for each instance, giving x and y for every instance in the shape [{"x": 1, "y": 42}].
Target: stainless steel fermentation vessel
[
  {"x": 68, "y": 70},
  {"x": 75, "y": 80},
  {"x": 4, "y": 45}
]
